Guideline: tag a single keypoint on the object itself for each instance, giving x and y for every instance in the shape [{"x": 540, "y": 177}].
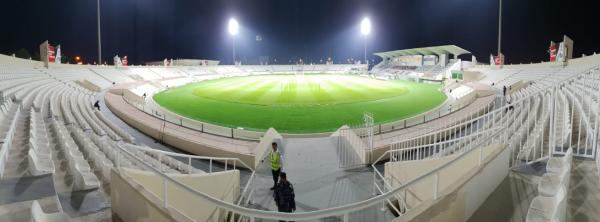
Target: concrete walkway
[{"x": 312, "y": 167}]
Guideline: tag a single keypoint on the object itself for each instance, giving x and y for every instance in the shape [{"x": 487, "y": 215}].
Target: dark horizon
[{"x": 151, "y": 30}]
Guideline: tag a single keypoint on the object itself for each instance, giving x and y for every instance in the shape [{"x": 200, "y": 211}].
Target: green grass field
[{"x": 299, "y": 103}]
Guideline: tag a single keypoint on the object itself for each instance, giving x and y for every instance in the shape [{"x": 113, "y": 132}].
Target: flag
[
  {"x": 117, "y": 60},
  {"x": 560, "y": 56},
  {"x": 51, "y": 55},
  {"x": 552, "y": 51},
  {"x": 58, "y": 55}
]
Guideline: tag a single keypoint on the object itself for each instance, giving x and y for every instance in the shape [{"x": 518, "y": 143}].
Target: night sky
[{"x": 148, "y": 30}]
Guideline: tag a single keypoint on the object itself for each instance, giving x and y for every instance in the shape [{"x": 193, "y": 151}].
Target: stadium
[{"x": 422, "y": 134}]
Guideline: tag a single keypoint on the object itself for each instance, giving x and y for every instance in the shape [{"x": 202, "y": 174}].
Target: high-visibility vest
[{"x": 275, "y": 159}]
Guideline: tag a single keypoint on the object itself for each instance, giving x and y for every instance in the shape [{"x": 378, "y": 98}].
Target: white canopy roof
[{"x": 434, "y": 50}]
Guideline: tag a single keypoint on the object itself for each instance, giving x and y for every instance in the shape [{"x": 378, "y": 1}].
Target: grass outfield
[{"x": 299, "y": 104}]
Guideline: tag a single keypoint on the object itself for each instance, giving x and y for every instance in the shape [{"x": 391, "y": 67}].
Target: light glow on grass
[{"x": 299, "y": 103}]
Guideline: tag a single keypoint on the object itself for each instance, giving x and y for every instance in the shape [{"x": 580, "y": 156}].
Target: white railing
[
  {"x": 7, "y": 142},
  {"x": 436, "y": 113},
  {"x": 382, "y": 184},
  {"x": 451, "y": 129},
  {"x": 437, "y": 149},
  {"x": 155, "y": 110},
  {"x": 227, "y": 164},
  {"x": 586, "y": 107},
  {"x": 253, "y": 214},
  {"x": 353, "y": 151}
]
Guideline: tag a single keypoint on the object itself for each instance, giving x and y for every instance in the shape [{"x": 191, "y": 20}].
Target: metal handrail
[
  {"x": 211, "y": 160},
  {"x": 157, "y": 111},
  {"x": 434, "y": 144}
]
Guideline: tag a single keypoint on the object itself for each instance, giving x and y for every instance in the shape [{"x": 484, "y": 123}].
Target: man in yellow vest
[{"x": 275, "y": 158}]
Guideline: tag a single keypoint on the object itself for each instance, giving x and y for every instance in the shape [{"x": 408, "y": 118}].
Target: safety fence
[
  {"x": 224, "y": 164},
  {"x": 407, "y": 198},
  {"x": 155, "y": 110}
]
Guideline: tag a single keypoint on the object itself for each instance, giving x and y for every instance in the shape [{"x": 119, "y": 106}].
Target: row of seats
[
  {"x": 78, "y": 167},
  {"x": 39, "y": 215},
  {"x": 100, "y": 163},
  {"x": 73, "y": 74},
  {"x": 9, "y": 116},
  {"x": 167, "y": 163},
  {"x": 551, "y": 202},
  {"x": 7, "y": 110},
  {"x": 126, "y": 137},
  {"x": 82, "y": 106},
  {"x": 40, "y": 152},
  {"x": 113, "y": 74}
]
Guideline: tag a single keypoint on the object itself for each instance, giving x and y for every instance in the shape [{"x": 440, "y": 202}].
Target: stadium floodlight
[
  {"x": 234, "y": 28},
  {"x": 365, "y": 29},
  {"x": 365, "y": 26}
]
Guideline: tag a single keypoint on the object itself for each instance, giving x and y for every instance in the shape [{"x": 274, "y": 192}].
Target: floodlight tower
[
  {"x": 234, "y": 28},
  {"x": 500, "y": 29},
  {"x": 365, "y": 30},
  {"x": 99, "y": 35}
]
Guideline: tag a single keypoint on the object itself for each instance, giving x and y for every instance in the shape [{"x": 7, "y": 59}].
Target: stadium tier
[{"x": 438, "y": 142}]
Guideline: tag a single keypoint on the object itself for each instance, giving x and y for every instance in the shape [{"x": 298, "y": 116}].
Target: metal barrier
[
  {"x": 245, "y": 195},
  {"x": 155, "y": 110},
  {"x": 353, "y": 150},
  {"x": 355, "y": 144},
  {"x": 382, "y": 184},
  {"x": 452, "y": 129}
]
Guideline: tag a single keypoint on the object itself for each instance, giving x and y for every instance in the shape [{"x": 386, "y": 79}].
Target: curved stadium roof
[{"x": 434, "y": 50}]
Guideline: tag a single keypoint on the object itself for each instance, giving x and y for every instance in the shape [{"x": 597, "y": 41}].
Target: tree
[
  {"x": 22, "y": 53},
  {"x": 36, "y": 56},
  {"x": 64, "y": 59}
]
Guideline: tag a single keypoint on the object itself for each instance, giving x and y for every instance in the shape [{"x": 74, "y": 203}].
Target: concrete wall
[
  {"x": 179, "y": 140},
  {"x": 88, "y": 85},
  {"x": 4, "y": 59},
  {"x": 137, "y": 195},
  {"x": 482, "y": 90},
  {"x": 463, "y": 185},
  {"x": 132, "y": 96},
  {"x": 472, "y": 76}
]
